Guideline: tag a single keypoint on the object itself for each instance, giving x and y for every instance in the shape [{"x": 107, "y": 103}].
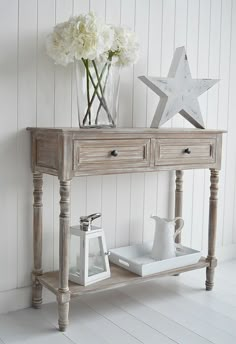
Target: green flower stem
[
  {"x": 103, "y": 91},
  {"x": 95, "y": 89},
  {"x": 87, "y": 84},
  {"x": 99, "y": 78}
]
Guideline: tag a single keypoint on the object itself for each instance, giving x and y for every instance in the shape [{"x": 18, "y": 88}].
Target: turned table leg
[
  {"x": 63, "y": 296},
  {"x": 212, "y": 229},
  {"x": 178, "y": 199},
  {"x": 37, "y": 239}
]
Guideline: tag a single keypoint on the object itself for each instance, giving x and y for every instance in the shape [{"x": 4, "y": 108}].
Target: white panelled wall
[{"x": 35, "y": 92}]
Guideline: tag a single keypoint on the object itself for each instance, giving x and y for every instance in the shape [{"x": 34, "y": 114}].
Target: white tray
[{"x": 137, "y": 259}]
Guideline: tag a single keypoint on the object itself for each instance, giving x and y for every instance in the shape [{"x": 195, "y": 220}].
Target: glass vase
[{"x": 97, "y": 94}]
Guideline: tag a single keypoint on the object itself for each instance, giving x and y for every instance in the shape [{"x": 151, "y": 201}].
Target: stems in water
[
  {"x": 103, "y": 92},
  {"x": 87, "y": 84},
  {"x": 97, "y": 87}
]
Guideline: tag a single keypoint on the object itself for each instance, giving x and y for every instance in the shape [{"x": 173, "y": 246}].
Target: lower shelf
[{"x": 119, "y": 278}]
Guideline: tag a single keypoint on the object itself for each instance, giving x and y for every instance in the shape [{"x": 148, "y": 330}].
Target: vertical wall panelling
[
  {"x": 93, "y": 198},
  {"x": 99, "y": 7},
  {"x": 154, "y": 59},
  {"x": 165, "y": 181},
  {"x": 79, "y": 7},
  {"x": 94, "y": 184},
  {"x": 214, "y": 62},
  {"x": 223, "y": 107},
  {"x": 139, "y": 118},
  {"x": 62, "y": 114},
  {"x": 126, "y": 76},
  {"x": 8, "y": 130},
  {"x": 154, "y": 54},
  {"x": 150, "y": 205},
  {"x": 199, "y": 175},
  {"x": 203, "y": 69},
  {"x": 109, "y": 197},
  {"x": 232, "y": 100},
  {"x": 27, "y": 78},
  {"x": 63, "y": 10},
  {"x": 180, "y": 29},
  {"x": 45, "y": 66},
  {"x": 78, "y": 199},
  {"x": 203, "y": 49},
  {"x": 165, "y": 198},
  {"x": 180, "y": 39},
  {"x": 79, "y": 185},
  {"x": 140, "y": 68},
  {"x": 123, "y": 210},
  {"x": 168, "y": 31},
  {"x": 212, "y": 96},
  {"x": 111, "y": 14},
  {"x": 34, "y": 91},
  {"x": 127, "y": 10},
  {"x": 74, "y": 100},
  {"x": 45, "y": 117},
  {"x": 192, "y": 35},
  {"x": 192, "y": 38},
  {"x": 230, "y": 148},
  {"x": 136, "y": 208}
]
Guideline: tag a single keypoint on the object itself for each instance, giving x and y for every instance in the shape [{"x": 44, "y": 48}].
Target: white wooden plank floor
[{"x": 168, "y": 310}]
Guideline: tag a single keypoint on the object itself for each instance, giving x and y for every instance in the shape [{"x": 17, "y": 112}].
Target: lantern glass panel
[
  {"x": 75, "y": 255},
  {"x": 96, "y": 260}
]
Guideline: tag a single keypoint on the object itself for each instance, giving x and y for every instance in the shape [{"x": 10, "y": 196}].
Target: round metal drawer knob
[
  {"x": 114, "y": 152},
  {"x": 187, "y": 151}
]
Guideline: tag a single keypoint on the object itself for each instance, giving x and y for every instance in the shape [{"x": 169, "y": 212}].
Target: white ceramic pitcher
[{"x": 164, "y": 246}]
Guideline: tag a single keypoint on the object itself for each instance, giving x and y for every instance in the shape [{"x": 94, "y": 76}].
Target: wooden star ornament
[{"x": 178, "y": 92}]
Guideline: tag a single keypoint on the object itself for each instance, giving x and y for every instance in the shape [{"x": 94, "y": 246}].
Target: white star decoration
[{"x": 178, "y": 92}]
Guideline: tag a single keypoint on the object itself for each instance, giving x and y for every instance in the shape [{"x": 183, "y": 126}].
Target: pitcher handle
[{"x": 177, "y": 232}]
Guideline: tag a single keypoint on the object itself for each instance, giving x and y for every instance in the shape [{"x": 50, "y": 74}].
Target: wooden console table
[{"x": 69, "y": 152}]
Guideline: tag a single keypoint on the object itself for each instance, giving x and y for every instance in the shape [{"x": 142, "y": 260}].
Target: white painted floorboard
[
  {"x": 167, "y": 310},
  {"x": 29, "y": 327}
]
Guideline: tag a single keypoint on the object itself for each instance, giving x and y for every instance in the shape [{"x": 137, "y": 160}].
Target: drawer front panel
[
  {"x": 184, "y": 151},
  {"x": 113, "y": 154}
]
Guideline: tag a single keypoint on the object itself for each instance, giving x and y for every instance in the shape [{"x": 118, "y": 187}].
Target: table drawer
[
  {"x": 184, "y": 151},
  {"x": 111, "y": 154}
]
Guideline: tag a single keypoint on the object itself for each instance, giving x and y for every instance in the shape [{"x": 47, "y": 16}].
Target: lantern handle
[
  {"x": 93, "y": 216},
  {"x": 85, "y": 221}
]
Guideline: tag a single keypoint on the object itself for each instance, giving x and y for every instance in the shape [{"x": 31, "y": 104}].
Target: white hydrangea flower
[
  {"x": 82, "y": 37},
  {"x": 59, "y": 43},
  {"x": 125, "y": 46}
]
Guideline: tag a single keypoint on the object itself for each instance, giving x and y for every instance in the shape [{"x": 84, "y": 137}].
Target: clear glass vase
[{"x": 97, "y": 94}]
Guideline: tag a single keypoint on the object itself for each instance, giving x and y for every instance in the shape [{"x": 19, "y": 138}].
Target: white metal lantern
[{"x": 88, "y": 252}]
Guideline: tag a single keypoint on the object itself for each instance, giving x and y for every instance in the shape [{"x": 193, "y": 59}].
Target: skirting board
[
  {"x": 226, "y": 253},
  {"x": 20, "y": 298},
  {"x": 15, "y": 299}
]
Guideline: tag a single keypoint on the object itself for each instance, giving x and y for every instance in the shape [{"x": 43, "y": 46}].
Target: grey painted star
[{"x": 178, "y": 92}]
